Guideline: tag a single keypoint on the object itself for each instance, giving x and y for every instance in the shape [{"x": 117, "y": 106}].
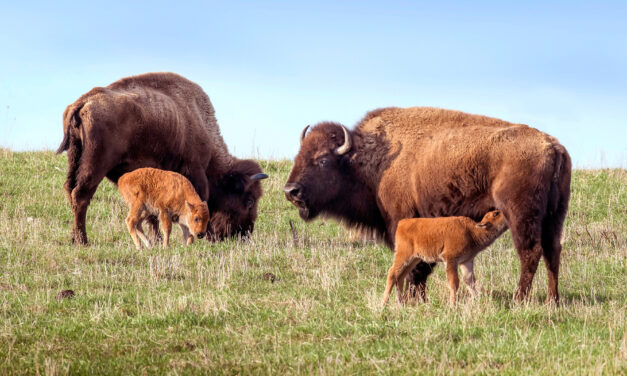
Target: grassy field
[{"x": 212, "y": 308}]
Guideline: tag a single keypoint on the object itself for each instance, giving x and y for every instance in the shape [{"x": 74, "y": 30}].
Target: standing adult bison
[
  {"x": 159, "y": 120},
  {"x": 426, "y": 162}
]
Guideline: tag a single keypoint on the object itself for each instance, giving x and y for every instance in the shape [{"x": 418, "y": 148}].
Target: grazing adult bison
[
  {"x": 159, "y": 120},
  {"x": 426, "y": 162}
]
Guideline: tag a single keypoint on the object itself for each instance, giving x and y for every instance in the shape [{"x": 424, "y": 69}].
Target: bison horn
[
  {"x": 303, "y": 134},
  {"x": 259, "y": 176},
  {"x": 347, "y": 143}
]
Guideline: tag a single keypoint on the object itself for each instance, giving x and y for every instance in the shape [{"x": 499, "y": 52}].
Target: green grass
[{"x": 209, "y": 309}]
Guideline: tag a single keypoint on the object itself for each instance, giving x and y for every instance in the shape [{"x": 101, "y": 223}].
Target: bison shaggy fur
[
  {"x": 159, "y": 120},
  {"x": 426, "y": 162}
]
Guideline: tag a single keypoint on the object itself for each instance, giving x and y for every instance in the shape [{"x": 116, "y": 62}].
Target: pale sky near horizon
[{"x": 270, "y": 68}]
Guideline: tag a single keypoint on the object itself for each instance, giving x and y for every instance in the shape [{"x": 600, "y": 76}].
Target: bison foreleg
[
  {"x": 153, "y": 229},
  {"x": 199, "y": 180},
  {"x": 418, "y": 280}
]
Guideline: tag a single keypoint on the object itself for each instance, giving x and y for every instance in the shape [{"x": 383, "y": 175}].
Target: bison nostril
[
  {"x": 291, "y": 190},
  {"x": 200, "y": 235}
]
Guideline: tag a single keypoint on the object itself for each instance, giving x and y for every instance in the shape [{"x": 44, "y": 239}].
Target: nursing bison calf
[
  {"x": 452, "y": 240},
  {"x": 159, "y": 120},
  {"x": 166, "y": 195}
]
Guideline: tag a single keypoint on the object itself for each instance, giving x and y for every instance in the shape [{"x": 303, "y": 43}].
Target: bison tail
[
  {"x": 559, "y": 193},
  {"x": 65, "y": 144},
  {"x": 71, "y": 119}
]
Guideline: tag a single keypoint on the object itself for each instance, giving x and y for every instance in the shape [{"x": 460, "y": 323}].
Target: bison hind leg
[
  {"x": 80, "y": 199},
  {"x": 95, "y": 162},
  {"x": 526, "y": 234},
  {"x": 552, "y": 248},
  {"x": 73, "y": 159},
  {"x": 525, "y": 207}
]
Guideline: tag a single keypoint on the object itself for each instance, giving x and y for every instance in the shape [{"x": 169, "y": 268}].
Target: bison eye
[
  {"x": 323, "y": 162},
  {"x": 196, "y": 219},
  {"x": 249, "y": 203}
]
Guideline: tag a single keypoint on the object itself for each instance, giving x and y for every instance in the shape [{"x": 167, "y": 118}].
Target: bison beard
[
  {"x": 426, "y": 162},
  {"x": 159, "y": 120}
]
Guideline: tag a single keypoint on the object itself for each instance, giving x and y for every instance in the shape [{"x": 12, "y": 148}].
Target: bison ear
[
  {"x": 258, "y": 176},
  {"x": 484, "y": 225}
]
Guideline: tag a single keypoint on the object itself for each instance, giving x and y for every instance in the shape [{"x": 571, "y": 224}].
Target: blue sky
[{"x": 270, "y": 68}]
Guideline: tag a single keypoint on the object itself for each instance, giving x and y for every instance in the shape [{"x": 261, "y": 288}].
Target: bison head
[
  {"x": 233, "y": 200},
  {"x": 321, "y": 171}
]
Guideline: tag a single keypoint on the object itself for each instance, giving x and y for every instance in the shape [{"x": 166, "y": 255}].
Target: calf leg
[
  {"x": 142, "y": 235},
  {"x": 453, "y": 280},
  {"x": 187, "y": 237},
  {"x": 166, "y": 227},
  {"x": 391, "y": 281},
  {"x": 394, "y": 277},
  {"x": 468, "y": 275},
  {"x": 132, "y": 220},
  {"x": 416, "y": 278}
]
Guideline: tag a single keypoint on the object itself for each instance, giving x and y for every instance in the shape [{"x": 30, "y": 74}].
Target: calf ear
[
  {"x": 484, "y": 225},
  {"x": 190, "y": 207}
]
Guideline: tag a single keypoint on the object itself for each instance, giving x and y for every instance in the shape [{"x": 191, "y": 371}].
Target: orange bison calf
[
  {"x": 167, "y": 195},
  {"x": 453, "y": 240}
]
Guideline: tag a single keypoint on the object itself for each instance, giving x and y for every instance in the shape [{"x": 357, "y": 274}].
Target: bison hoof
[{"x": 80, "y": 240}]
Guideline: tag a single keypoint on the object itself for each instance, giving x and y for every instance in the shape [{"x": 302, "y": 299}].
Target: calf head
[
  {"x": 233, "y": 200},
  {"x": 321, "y": 171},
  {"x": 197, "y": 218},
  {"x": 494, "y": 221}
]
